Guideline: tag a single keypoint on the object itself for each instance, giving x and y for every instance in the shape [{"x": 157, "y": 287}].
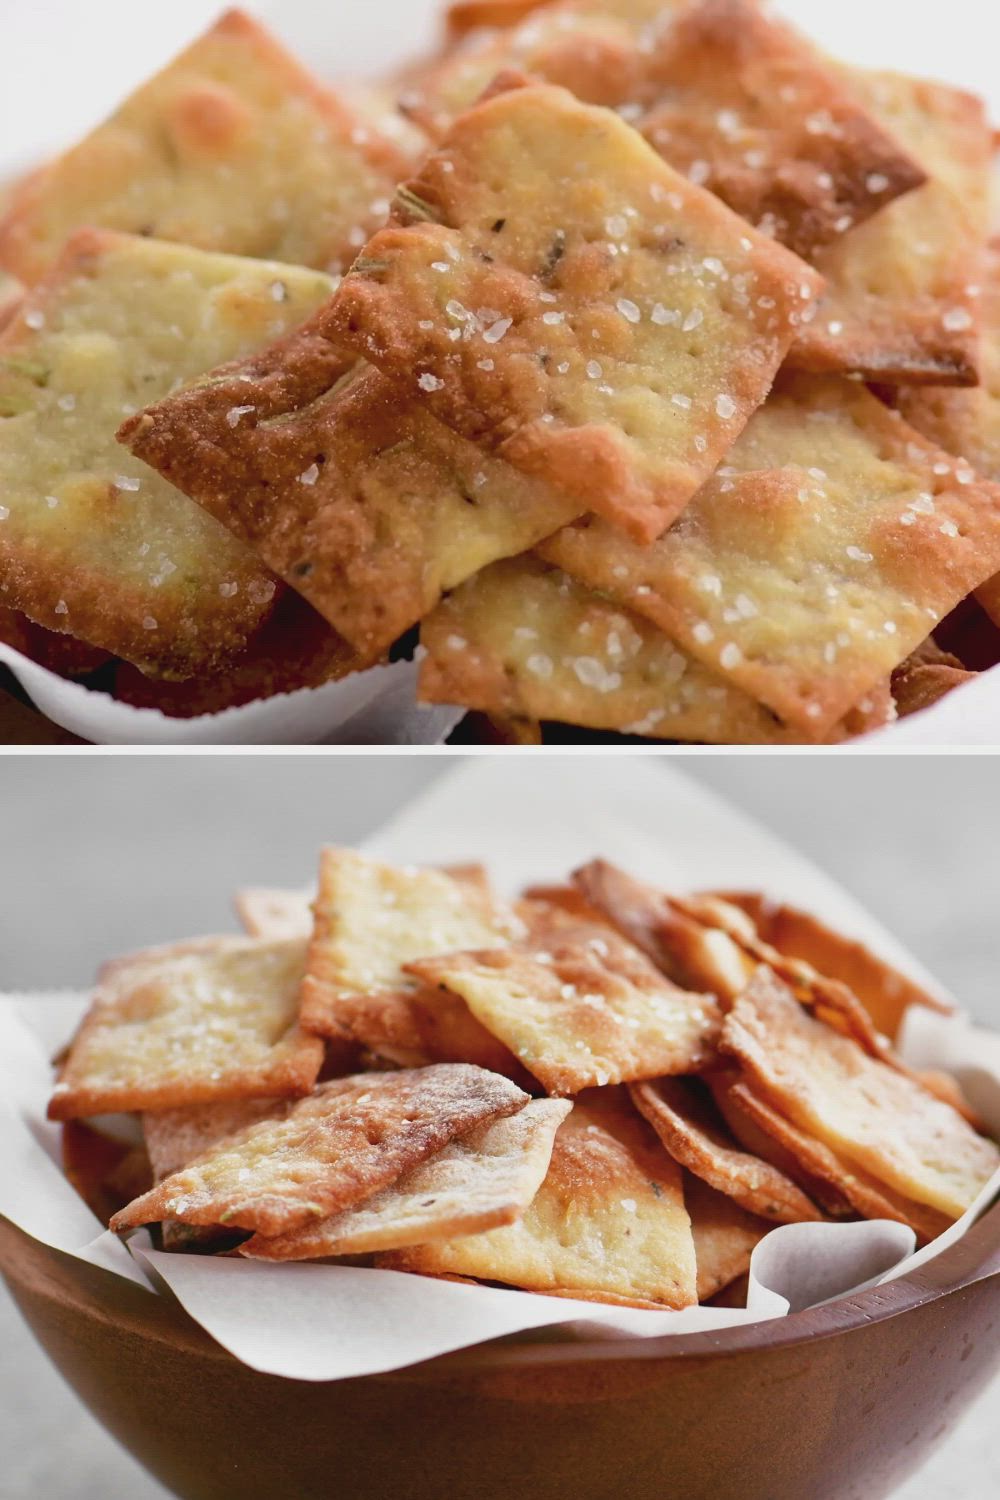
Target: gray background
[{"x": 100, "y": 854}]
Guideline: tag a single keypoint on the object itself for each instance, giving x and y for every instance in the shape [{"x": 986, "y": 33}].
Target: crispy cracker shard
[
  {"x": 815, "y": 560},
  {"x": 271, "y": 913},
  {"x": 92, "y": 541},
  {"x": 725, "y": 1236},
  {"x": 901, "y": 301},
  {"x": 350, "y": 492},
  {"x": 747, "y": 107},
  {"x": 233, "y": 147},
  {"x": 523, "y": 639},
  {"x": 608, "y": 1219},
  {"x": 484, "y": 1179},
  {"x": 201, "y": 1022},
  {"x": 370, "y": 920},
  {"x": 555, "y": 292},
  {"x": 877, "y": 1117},
  {"x": 578, "y": 1006},
  {"x": 692, "y": 1131},
  {"x": 328, "y": 1152}
]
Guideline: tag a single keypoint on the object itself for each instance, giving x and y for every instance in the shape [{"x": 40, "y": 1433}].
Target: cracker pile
[
  {"x": 633, "y": 353},
  {"x": 600, "y": 1090}
]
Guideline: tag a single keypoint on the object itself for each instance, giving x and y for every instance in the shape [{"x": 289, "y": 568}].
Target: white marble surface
[{"x": 105, "y": 852}]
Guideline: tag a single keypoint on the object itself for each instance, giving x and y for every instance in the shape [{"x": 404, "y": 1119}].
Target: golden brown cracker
[
  {"x": 820, "y": 555},
  {"x": 725, "y": 1236},
  {"x": 334, "y": 1149},
  {"x": 692, "y": 1131},
  {"x": 551, "y": 289},
  {"x": 749, "y": 109},
  {"x": 268, "y": 913},
  {"x": 877, "y": 1117},
  {"x": 580, "y": 1007},
  {"x": 105, "y": 1171},
  {"x": 92, "y": 541},
  {"x": 463, "y": 16},
  {"x": 608, "y": 1219},
  {"x": 175, "y": 1137},
  {"x": 916, "y": 687},
  {"x": 233, "y": 147},
  {"x": 194, "y": 1024},
  {"x": 356, "y": 497},
  {"x": 484, "y": 1179},
  {"x": 57, "y": 653},
  {"x": 901, "y": 304}
]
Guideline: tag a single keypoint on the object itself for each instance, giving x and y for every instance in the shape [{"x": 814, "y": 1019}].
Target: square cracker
[
  {"x": 356, "y": 497},
  {"x": 747, "y": 107},
  {"x": 579, "y": 1007},
  {"x": 482, "y": 1180},
  {"x": 233, "y": 147},
  {"x": 900, "y": 304},
  {"x": 201, "y": 1022},
  {"x": 92, "y": 541},
  {"x": 608, "y": 1218},
  {"x": 692, "y": 1131},
  {"x": 816, "y": 559},
  {"x": 559, "y": 295},
  {"x": 875, "y": 1116},
  {"x": 526, "y": 640},
  {"x": 328, "y": 1152}
]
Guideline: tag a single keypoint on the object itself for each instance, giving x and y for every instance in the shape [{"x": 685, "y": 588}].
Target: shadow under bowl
[{"x": 840, "y": 1402}]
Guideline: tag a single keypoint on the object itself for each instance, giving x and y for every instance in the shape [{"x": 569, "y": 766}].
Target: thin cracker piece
[
  {"x": 865, "y": 1194},
  {"x": 900, "y": 304},
  {"x": 234, "y": 147},
  {"x": 548, "y": 286},
  {"x": 343, "y": 1143},
  {"x": 481, "y": 1181},
  {"x": 56, "y": 652},
  {"x": 725, "y": 1236},
  {"x": 356, "y": 497},
  {"x": 695, "y": 1135},
  {"x": 916, "y": 686},
  {"x": 877, "y": 1117},
  {"x": 753, "y": 112},
  {"x": 200, "y": 1023},
  {"x": 92, "y": 541},
  {"x": 176, "y": 1137},
  {"x": 817, "y": 558},
  {"x": 608, "y": 1219},
  {"x": 526, "y": 640},
  {"x": 463, "y": 16},
  {"x": 580, "y": 1007},
  {"x": 270, "y": 913}
]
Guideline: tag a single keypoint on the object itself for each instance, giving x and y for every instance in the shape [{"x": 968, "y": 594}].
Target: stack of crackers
[
  {"x": 600, "y": 1091},
  {"x": 659, "y": 397}
]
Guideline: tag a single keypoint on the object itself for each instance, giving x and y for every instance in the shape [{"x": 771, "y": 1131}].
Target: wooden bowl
[{"x": 837, "y": 1403}]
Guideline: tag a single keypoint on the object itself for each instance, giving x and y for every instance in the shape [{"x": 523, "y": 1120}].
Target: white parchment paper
[{"x": 530, "y": 822}]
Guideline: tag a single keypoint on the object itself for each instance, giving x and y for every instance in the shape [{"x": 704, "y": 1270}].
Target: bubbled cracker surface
[
  {"x": 524, "y": 639},
  {"x": 575, "y": 305},
  {"x": 217, "y": 1021},
  {"x": 609, "y": 1217},
  {"x": 91, "y": 540},
  {"x": 581, "y": 1007},
  {"x": 233, "y": 147},
  {"x": 821, "y": 554},
  {"x": 874, "y": 1115}
]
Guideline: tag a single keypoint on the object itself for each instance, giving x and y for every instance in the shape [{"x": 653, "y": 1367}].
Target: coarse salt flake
[
  {"x": 428, "y": 382},
  {"x": 309, "y": 476},
  {"x": 725, "y": 406}
]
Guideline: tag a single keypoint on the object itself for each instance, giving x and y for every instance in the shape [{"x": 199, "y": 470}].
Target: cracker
[
  {"x": 233, "y": 147},
  {"x": 884, "y": 991},
  {"x": 864, "y": 1194},
  {"x": 693, "y": 1132},
  {"x": 200, "y": 1023},
  {"x": 356, "y": 497},
  {"x": 58, "y": 653},
  {"x": 328, "y": 1152},
  {"x": 526, "y": 640},
  {"x": 481, "y": 1181},
  {"x": 92, "y": 542},
  {"x": 411, "y": 1028},
  {"x": 901, "y": 300},
  {"x": 608, "y": 1219},
  {"x": 748, "y": 108},
  {"x": 175, "y": 1137},
  {"x": 551, "y": 289},
  {"x": 725, "y": 1236},
  {"x": 815, "y": 561},
  {"x": 463, "y": 16},
  {"x": 11, "y": 297},
  {"x": 877, "y": 1117},
  {"x": 294, "y": 649},
  {"x": 580, "y": 1007},
  {"x": 267, "y": 913},
  {"x": 106, "y": 1172}
]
